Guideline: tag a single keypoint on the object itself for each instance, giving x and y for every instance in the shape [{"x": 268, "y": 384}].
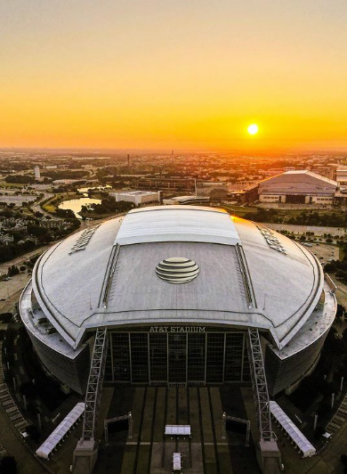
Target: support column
[
  {"x": 86, "y": 451},
  {"x": 269, "y": 456}
]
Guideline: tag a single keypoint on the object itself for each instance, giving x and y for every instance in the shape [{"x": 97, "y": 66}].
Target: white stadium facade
[{"x": 179, "y": 295}]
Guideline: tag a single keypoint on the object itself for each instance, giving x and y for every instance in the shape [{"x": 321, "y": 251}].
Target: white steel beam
[
  {"x": 96, "y": 376},
  {"x": 259, "y": 385}
]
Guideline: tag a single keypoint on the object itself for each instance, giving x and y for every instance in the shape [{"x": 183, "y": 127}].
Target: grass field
[
  {"x": 4, "y": 184},
  {"x": 52, "y": 204},
  {"x": 240, "y": 211}
]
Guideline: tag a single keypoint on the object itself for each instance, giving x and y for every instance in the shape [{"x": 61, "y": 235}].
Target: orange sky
[{"x": 173, "y": 74}]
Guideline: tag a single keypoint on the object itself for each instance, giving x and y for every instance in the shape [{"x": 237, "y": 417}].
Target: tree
[
  {"x": 340, "y": 310},
  {"x": 330, "y": 267},
  {"x": 12, "y": 271},
  {"x": 8, "y": 465},
  {"x": 341, "y": 274},
  {"x": 20, "y": 179},
  {"x": 37, "y": 231}
]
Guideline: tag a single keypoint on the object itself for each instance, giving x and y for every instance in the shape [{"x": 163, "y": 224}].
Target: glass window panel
[
  {"x": 121, "y": 362},
  {"x": 196, "y": 357},
  {"x": 233, "y": 357},
  {"x": 177, "y": 358},
  {"x": 139, "y": 357},
  {"x": 158, "y": 357},
  {"x": 215, "y": 356}
]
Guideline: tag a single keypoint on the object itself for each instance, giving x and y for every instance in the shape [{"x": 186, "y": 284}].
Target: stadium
[{"x": 177, "y": 295}]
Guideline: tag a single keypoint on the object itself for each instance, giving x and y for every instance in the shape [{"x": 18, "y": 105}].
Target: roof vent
[{"x": 177, "y": 270}]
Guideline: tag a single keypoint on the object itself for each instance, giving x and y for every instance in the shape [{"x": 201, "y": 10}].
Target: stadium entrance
[
  {"x": 295, "y": 199},
  {"x": 177, "y": 355}
]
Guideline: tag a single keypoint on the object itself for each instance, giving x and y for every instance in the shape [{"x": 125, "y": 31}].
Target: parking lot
[{"x": 324, "y": 252}]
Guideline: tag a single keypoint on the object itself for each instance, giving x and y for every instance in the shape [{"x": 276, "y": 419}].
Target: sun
[{"x": 253, "y": 129}]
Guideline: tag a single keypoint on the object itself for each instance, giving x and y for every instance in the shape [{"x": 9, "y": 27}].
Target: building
[
  {"x": 341, "y": 177},
  {"x": 37, "y": 172},
  {"x": 167, "y": 184},
  {"x": 297, "y": 187},
  {"x": 179, "y": 290},
  {"x": 52, "y": 223},
  {"x": 215, "y": 190},
  {"x": 66, "y": 182},
  {"x": 250, "y": 195},
  {"x": 137, "y": 197},
  {"x": 6, "y": 239},
  {"x": 187, "y": 200}
]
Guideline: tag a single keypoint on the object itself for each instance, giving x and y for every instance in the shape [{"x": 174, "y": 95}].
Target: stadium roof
[
  {"x": 298, "y": 182},
  {"x": 312, "y": 174},
  {"x": 248, "y": 275},
  {"x": 175, "y": 224}
]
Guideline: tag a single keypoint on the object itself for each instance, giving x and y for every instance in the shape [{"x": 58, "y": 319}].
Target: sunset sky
[{"x": 181, "y": 74}]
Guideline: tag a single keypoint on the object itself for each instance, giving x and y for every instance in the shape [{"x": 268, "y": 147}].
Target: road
[
  {"x": 22, "y": 258},
  {"x": 302, "y": 229},
  {"x": 36, "y": 207}
]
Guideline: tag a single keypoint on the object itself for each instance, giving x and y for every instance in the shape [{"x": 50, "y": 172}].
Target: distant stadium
[{"x": 178, "y": 288}]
